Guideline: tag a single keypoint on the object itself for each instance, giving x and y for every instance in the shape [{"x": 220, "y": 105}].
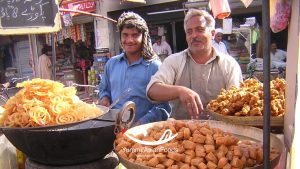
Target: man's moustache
[{"x": 196, "y": 40}]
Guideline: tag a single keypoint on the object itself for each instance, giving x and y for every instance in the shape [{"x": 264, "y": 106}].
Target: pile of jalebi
[{"x": 45, "y": 102}]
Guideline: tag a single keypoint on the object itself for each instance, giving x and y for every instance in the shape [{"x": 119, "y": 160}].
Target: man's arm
[
  {"x": 47, "y": 62},
  {"x": 159, "y": 112},
  {"x": 284, "y": 55},
  {"x": 169, "y": 49},
  {"x": 188, "y": 97},
  {"x": 163, "y": 92}
]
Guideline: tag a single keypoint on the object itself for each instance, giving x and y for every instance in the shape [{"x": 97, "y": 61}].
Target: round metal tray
[
  {"x": 275, "y": 121},
  {"x": 242, "y": 132}
]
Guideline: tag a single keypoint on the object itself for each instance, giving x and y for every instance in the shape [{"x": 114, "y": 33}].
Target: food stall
[
  {"x": 186, "y": 134},
  {"x": 217, "y": 133}
]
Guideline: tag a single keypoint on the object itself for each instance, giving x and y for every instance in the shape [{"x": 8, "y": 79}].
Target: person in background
[
  {"x": 217, "y": 42},
  {"x": 133, "y": 69},
  {"x": 45, "y": 64},
  {"x": 161, "y": 48},
  {"x": 195, "y": 76},
  {"x": 278, "y": 57}
]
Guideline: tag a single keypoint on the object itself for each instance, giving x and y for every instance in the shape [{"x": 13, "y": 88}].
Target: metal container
[
  {"x": 242, "y": 132},
  {"x": 70, "y": 145}
]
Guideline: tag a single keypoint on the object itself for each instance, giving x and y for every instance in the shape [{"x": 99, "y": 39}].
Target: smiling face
[
  {"x": 198, "y": 35},
  {"x": 131, "y": 41}
]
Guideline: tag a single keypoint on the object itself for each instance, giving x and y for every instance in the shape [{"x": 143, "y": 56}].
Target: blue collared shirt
[{"x": 119, "y": 76}]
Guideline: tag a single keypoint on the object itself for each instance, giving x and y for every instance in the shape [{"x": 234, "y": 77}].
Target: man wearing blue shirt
[{"x": 133, "y": 69}]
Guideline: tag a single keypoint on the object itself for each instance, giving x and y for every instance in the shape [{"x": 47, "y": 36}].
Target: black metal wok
[{"x": 81, "y": 143}]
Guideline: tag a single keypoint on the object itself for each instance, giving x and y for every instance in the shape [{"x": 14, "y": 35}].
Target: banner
[{"x": 86, "y": 6}]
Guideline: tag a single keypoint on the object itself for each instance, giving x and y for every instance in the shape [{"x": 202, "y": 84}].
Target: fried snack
[
  {"x": 44, "y": 103},
  {"x": 222, "y": 162},
  {"x": 202, "y": 166},
  {"x": 223, "y": 151},
  {"x": 248, "y": 99}
]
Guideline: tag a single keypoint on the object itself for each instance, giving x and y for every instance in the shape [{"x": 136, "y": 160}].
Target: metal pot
[{"x": 81, "y": 143}]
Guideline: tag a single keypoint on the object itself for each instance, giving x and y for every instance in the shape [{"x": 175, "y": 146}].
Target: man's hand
[
  {"x": 105, "y": 101},
  {"x": 191, "y": 100}
]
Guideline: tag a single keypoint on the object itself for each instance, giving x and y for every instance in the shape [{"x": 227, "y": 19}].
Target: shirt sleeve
[
  {"x": 166, "y": 72},
  {"x": 48, "y": 62},
  {"x": 225, "y": 49},
  {"x": 234, "y": 76},
  {"x": 169, "y": 49},
  {"x": 104, "y": 88},
  {"x": 154, "y": 46},
  {"x": 159, "y": 112},
  {"x": 283, "y": 55}
]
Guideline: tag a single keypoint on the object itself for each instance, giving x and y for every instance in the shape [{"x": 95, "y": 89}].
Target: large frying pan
[{"x": 75, "y": 144}]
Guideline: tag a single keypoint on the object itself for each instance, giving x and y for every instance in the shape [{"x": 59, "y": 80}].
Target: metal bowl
[
  {"x": 242, "y": 132},
  {"x": 70, "y": 145}
]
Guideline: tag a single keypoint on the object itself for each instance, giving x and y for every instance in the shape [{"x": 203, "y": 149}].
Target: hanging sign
[
  {"x": 67, "y": 20},
  {"x": 29, "y": 16},
  {"x": 227, "y": 26},
  {"x": 86, "y": 6}
]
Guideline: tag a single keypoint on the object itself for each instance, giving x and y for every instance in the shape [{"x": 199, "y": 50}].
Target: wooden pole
[
  {"x": 266, "y": 65},
  {"x": 87, "y": 13}
]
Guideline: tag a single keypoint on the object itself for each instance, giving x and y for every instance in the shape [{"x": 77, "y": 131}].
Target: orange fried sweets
[
  {"x": 45, "y": 102},
  {"x": 196, "y": 146}
]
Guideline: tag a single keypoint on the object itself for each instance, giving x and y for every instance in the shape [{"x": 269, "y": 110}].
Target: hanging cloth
[
  {"x": 280, "y": 11},
  {"x": 220, "y": 8}
]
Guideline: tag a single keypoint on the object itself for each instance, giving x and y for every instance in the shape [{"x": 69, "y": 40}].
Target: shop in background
[
  {"x": 243, "y": 42},
  {"x": 74, "y": 43},
  {"x": 74, "y": 52},
  {"x": 96, "y": 72}
]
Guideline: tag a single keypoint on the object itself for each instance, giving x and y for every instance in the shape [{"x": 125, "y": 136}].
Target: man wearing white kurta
[
  {"x": 217, "y": 42},
  {"x": 44, "y": 64},
  {"x": 162, "y": 48},
  {"x": 278, "y": 57},
  {"x": 195, "y": 76}
]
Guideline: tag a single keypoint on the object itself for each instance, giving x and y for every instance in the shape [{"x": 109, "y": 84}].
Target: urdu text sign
[{"x": 29, "y": 16}]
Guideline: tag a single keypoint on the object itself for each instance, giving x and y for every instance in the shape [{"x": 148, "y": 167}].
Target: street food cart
[{"x": 290, "y": 127}]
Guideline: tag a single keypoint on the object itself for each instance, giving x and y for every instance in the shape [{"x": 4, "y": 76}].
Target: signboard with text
[
  {"x": 29, "y": 16},
  {"x": 86, "y": 6}
]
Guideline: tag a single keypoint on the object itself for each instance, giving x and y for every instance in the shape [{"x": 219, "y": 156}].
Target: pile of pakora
[{"x": 248, "y": 99}]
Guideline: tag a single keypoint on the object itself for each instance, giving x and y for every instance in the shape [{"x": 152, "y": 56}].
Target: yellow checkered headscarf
[{"x": 136, "y": 20}]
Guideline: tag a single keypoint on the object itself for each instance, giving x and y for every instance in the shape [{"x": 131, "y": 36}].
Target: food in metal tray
[
  {"x": 248, "y": 99},
  {"x": 43, "y": 103},
  {"x": 196, "y": 146}
]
